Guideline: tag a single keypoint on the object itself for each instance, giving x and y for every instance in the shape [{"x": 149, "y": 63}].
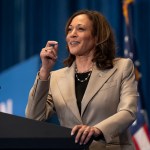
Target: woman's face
[{"x": 79, "y": 38}]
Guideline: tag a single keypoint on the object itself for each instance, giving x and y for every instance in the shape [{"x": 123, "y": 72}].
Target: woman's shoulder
[
  {"x": 123, "y": 64},
  {"x": 122, "y": 61}
]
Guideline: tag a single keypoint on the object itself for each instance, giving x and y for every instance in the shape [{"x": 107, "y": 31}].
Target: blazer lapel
[
  {"x": 97, "y": 80},
  {"x": 67, "y": 87}
]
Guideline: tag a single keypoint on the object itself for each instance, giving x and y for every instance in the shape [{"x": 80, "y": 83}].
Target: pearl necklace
[{"x": 76, "y": 74}]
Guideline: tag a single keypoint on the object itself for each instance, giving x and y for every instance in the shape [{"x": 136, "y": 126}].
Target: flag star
[
  {"x": 131, "y": 55},
  {"x": 126, "y": 52},
  {"x": 134, "y": 123},
  {"x": 137, "y": 63},
  {"x": 126, "y": 38}
]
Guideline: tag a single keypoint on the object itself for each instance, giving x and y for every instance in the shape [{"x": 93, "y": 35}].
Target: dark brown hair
[{"x": 105, "y": 47}]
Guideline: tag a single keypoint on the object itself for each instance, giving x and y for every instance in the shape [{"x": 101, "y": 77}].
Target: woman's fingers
[
  {"x": 53, "y": 44},
  {"x": 88, "y": 137},
  {"x": 49, "y": 43},
  {"x": 49, "y": 53},
  {"x": 83, "y": 133},
  {"x": 75, "y": 129}
]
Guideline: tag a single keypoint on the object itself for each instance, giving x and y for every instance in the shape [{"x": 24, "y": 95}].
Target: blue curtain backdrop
[{"x": 26, "y": 26}]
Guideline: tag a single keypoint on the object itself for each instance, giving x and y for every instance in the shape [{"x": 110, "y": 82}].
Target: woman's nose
[{"x": 73, "y": 32}]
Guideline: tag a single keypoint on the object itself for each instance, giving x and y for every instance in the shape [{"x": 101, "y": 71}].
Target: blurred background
[{"x": 26, "y": 26}]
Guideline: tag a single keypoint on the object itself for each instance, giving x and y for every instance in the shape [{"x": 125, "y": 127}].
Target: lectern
[{"x": 21, "y": 133}]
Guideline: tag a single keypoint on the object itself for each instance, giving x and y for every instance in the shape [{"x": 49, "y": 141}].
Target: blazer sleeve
[
  {"x": 127, "y": 108},
  {"x": 37, "y": 108}
]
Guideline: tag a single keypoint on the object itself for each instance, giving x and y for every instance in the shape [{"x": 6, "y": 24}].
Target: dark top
[{"x": 80, "y": 87}]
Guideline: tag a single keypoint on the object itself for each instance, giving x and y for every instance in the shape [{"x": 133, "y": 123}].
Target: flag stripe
[
  {"x": 135, "y": 143},
  {"x": 142, "y": 139},
  {"x": 147, "y": 131}
]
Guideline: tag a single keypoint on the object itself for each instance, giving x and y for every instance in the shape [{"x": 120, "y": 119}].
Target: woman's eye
[
  {"x": 69, "y": 29},
  {"x": 81, "y": 29}
]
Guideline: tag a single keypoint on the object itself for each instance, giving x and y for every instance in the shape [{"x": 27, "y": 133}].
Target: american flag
[{"x": 139, "y": 128}]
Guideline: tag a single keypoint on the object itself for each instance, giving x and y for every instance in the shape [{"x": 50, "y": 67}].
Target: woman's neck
[{"x": 83, "y": 66}]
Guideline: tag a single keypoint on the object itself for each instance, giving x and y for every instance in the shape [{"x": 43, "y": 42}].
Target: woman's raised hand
[{"x": 48, "y": 57}]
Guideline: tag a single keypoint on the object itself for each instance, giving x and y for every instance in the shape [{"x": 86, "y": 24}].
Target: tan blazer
[{"x": 109, "y": 102}]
